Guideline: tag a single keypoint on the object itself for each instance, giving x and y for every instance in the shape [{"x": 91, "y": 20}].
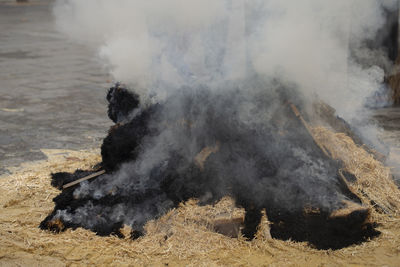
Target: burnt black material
[
  {"x": 122, "y": 143},
  {"x": 322, "y": 231},
  {"x": 268, "y": 161},
  {"x": 121, "y": 103},
  {"x": 251, "y": 221},
  {"x": 387, "y": 37}
]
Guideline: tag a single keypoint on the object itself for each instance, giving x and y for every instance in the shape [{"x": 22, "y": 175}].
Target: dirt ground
[{"x": 181, "y": 237}]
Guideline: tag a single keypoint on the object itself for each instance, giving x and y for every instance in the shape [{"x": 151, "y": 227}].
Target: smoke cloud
[{"x": 159, "y": 46}]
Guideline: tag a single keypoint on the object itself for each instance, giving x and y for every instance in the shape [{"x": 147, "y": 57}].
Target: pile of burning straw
[{"x": 205, "y": 145}]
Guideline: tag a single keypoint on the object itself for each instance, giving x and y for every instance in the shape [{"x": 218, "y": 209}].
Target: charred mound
[{"x": 207, "y": 144}]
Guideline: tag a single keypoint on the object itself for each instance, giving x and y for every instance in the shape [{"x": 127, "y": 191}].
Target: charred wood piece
[
  {"x": 60, "y": 179},
  {"x": 90, "y": 176}
]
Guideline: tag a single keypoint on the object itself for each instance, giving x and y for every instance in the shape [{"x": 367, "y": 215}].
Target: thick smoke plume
[
  {"x": 158, "y": 46},
  {"x": 220, "y": 74}
]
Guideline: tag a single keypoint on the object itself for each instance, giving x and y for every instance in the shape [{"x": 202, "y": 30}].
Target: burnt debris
[
  {"x": 207, "y": 144},
  {"x": 121, "y": 103}
]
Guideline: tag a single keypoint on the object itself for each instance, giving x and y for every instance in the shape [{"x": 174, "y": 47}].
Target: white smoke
[{"x": 160, "y": 45}]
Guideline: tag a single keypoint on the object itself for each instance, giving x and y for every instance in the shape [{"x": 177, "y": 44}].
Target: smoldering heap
[{"x": 206, "y": 144}]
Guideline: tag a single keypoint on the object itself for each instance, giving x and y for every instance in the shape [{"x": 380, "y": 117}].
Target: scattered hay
[
  {"x": 374, "y": 184},
  {"x": 183, "y": 236},
  {"x": 27, "y": 198}
]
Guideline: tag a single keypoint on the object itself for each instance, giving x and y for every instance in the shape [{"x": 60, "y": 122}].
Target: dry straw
[
  {"x": 184, "y": 235},
  {"x": 374, "y": 184}
]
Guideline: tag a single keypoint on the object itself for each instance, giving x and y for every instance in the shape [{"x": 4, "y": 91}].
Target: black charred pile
[{"x": 207, "y": 144}]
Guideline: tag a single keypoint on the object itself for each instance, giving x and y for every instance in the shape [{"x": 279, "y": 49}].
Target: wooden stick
[
  {"x": 303, "y": 121},
  {"x": 91, "y": 176}
]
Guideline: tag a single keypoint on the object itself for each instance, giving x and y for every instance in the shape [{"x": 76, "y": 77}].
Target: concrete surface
[{"x": 52, "y": 91}]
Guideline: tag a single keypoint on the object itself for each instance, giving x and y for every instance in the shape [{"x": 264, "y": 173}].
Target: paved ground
[{"x": 52, "y": 91}]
